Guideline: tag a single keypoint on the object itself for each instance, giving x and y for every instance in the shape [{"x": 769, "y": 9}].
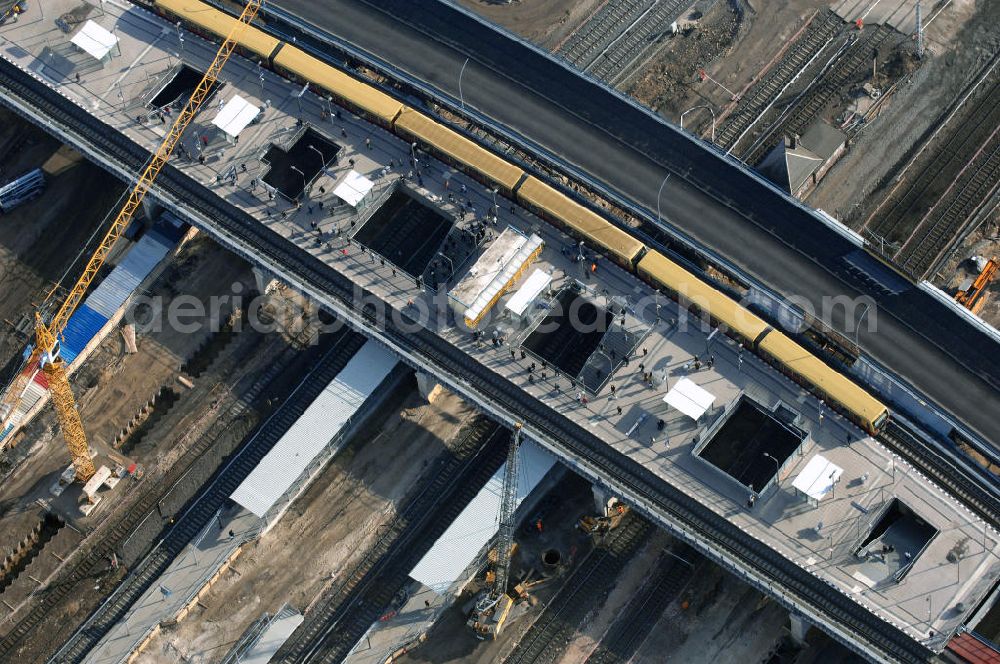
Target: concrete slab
[{"x": 924, "y": 603}]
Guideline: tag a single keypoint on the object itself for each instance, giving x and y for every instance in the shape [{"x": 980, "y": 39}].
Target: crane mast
[
  {"x": 491, "y": 609},
  {"x": 508, "y": 504},
  {"x": 47, "y": 332}
]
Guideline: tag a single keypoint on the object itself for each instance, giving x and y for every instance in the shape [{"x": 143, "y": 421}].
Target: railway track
[
  {"x": 600, "y": 30},
  {"x": 933, "y": 179},
  {"x": 244, "y": 234},
  {"x": 549, "y": 635},
  {"x": 108, "y": 542},
  {"x": 944, "y": 195},
  {"x": 671, "y": 573},
  {"x": 757, "y": 101},
  {"x": 937, "y": 231},
  {"x": 931, "y": 462},
  {"x": 207, "y": 504},
  {"x": 801, "y": 113},
  {"x": 616, "y": 63},
  {"x": 341, "y": 618}
]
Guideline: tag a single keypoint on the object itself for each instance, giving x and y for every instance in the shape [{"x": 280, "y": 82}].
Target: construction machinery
[
  {"x": 971, "y": 297},
  {"x": 49, "y": 326},
  {"x": 493, "y": 606},
  {"x": 12, "y": 12},
  {"x": 614, "y": 511}
]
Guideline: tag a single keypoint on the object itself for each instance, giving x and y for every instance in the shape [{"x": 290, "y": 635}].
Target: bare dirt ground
[
  {"x": 725, "y": 622},
  {"x": 589, "y": 633},
  {"x": 451, "y": 640},
  {"x": 111, "y": 386},
  {"x": 960, "y": 40},
  {"x": 206, "y": 415},
  {"x": 733, "y": 45},
  {"x": 40, "y": 240},
  {"x": 545, "y": 22},
  {"x": 321, "y": 535}
]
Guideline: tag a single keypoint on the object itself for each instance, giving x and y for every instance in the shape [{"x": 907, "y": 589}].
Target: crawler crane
[{"x": 494, "y": 605}]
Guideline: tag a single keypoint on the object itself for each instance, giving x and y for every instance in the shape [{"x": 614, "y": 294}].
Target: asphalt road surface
[{"x": 771, "y": 238}]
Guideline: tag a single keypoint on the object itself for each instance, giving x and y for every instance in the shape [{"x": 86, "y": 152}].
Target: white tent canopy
[
  {"x": 235, "y": 116},
  {"x": 689, "y": 398},
  {"x": 532, "y": 287},
  {"x": 818, "y": 477},
  {"x": 95, "y": 40},
  {"x": 353, "y": 188}
]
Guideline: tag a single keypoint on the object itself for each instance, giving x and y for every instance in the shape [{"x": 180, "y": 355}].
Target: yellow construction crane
[{"x": 48, "y": 331}]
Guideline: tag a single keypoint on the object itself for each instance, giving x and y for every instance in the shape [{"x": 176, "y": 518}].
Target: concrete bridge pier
[
  {"x": 429, "y": 386},
  {"x": 799, "y": 627},
  {"x": 266, "y": 280},
  {"x": 601, "y": 498}
]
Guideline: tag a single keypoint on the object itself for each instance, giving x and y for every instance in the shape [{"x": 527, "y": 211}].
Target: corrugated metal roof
[
  {"x": 32, "y": 394},
  {"x": 319, "y": 424},
  {"x": 272, "y": 639},
  {"x": 109, "y": 296},
  {"x": 478, "y": 522},
  {"x": 81, "y": 328}
]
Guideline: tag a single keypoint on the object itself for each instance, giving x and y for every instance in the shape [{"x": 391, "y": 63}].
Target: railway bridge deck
[{"x": 805, "y": 555}]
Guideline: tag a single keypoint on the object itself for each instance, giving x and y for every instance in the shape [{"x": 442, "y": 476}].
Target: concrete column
[
  {"x": 601, "y": 498},
  {"x": 151, "y": 207},
  {"x": 428, "y": 385},
  {"x": 799, "y": 627},
  {"x": 265, "y": 280}
]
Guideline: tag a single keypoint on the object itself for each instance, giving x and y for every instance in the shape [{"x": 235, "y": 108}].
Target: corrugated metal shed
[
  {"x": 109, "y": 296},
  {"x": 477, "y": 524},
  {"x": 273, "y": 638},
  {"x": 81, "y": 328},
  {"x": 319, "y": 424}
]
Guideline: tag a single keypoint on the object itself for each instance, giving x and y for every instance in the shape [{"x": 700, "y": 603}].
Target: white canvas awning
[
  {"x": 95, "y": 40},
  {"x": 528, "y": 292},
  {"x": 689, "y": 398},
  {"x": 235, "y": 116},
  {"x": 353, "y": 188},
  {"x": 818, "y": 477}
]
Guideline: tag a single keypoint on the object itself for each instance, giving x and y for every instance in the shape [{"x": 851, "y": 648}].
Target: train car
[
  {"x": 685, "y": 287},
  {"x": 458, "y": 150},
  {"x": 210, "y": 22},
  {"x": 580, "y": 222},
  {"x": 834, "y": 386},
  {"x": 367, "y": 100}
]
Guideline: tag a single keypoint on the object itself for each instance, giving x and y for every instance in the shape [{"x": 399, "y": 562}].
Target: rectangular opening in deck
[
  {"x": 416, "y": 237},
  {"x": 293, "y": 168},
  {"x": 571, "y": 332},
  {"x": 179, "y": 86},
  {"x": 752, "y": 444},
  {"x": 893, "y": 544}
]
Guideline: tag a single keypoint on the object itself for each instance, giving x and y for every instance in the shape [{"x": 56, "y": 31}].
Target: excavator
[
  {"x": 50, "y": 320},
  {"x": 614, "y": 512},
  {"x": 972, "y": 297}
]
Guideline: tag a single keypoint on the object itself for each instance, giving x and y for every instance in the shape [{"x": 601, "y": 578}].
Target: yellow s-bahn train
[{"x": 545, "y": 200}]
